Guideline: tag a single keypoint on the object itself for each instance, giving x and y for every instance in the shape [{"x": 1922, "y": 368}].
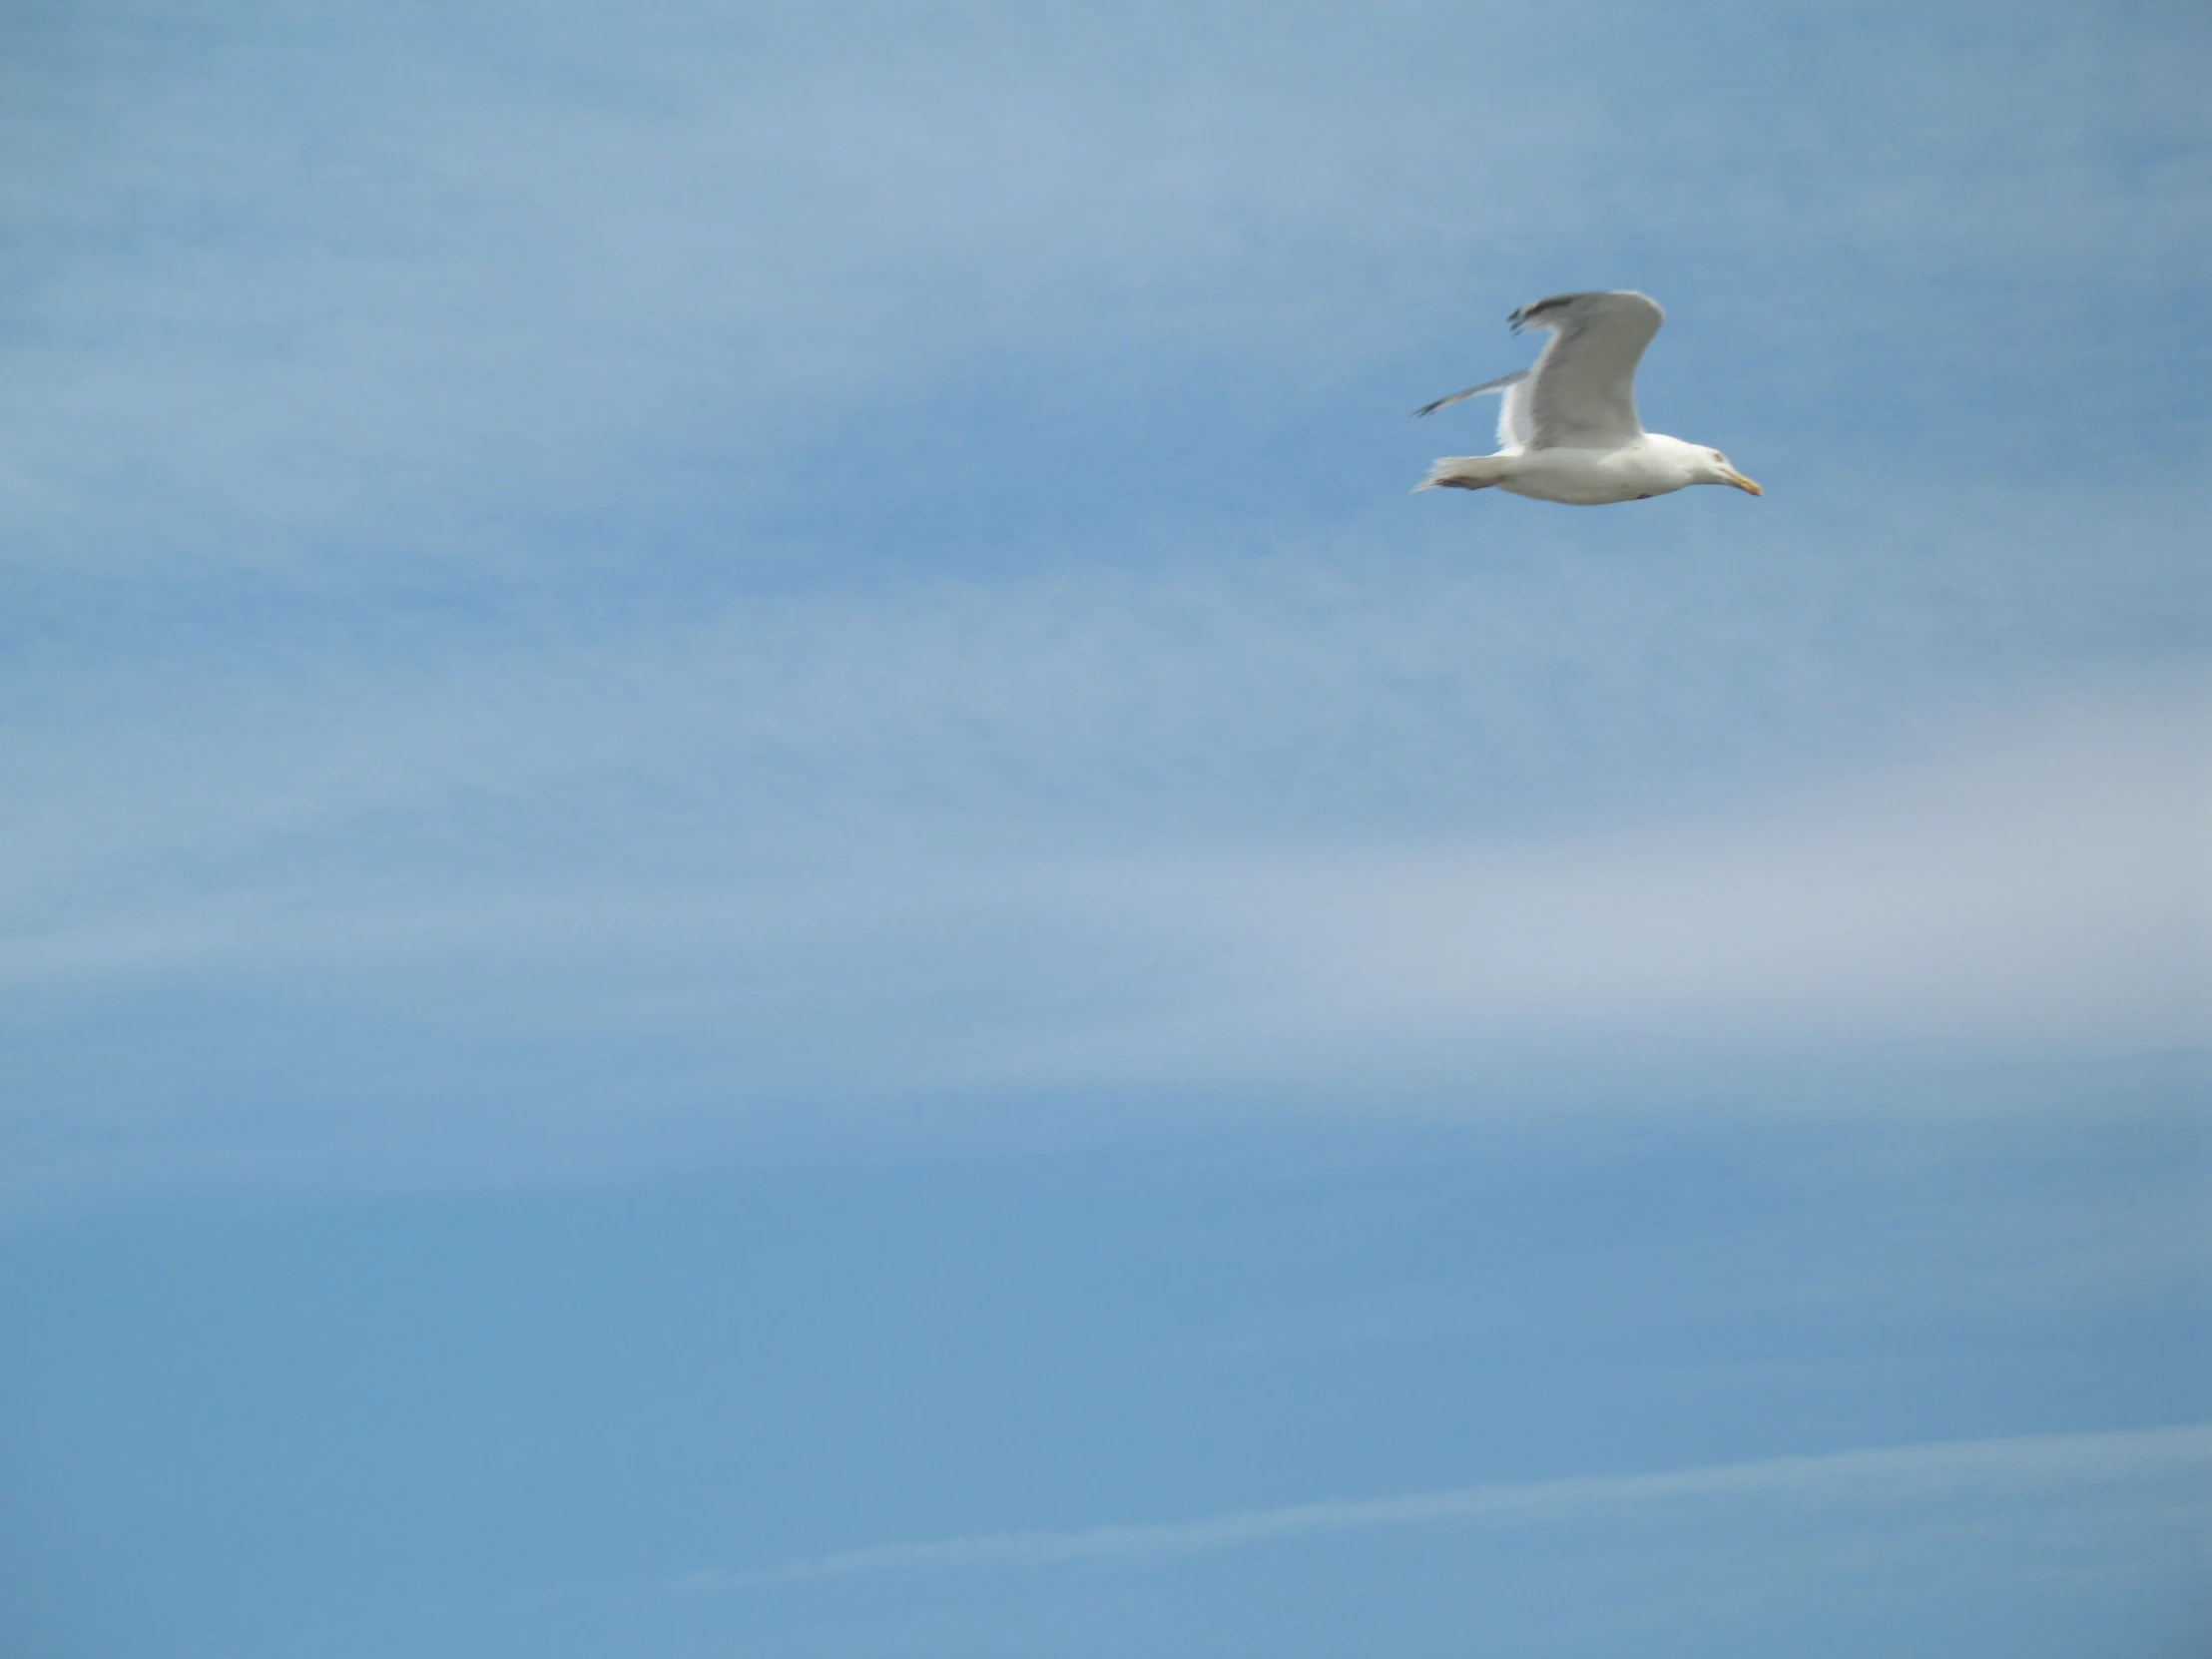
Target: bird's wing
[
  {"x": 1498, "y": 384},
  {"x": 1581, "y": 393},
  {"x": 1512, "y": 414}
]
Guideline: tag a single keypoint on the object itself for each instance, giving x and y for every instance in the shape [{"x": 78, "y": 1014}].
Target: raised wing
[{"x": 1581, "y": 393}]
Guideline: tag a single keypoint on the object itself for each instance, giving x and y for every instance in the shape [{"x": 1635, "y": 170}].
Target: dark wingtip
[{"x": 1529, "y": 313}]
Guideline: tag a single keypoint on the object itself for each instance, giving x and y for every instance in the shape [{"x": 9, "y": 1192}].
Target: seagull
[{"x": 1567, "y": 430}]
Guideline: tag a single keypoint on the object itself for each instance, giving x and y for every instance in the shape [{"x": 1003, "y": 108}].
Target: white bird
[{"x": 1568, "y": 429}]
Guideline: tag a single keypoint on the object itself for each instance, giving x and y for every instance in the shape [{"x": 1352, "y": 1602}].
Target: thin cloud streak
[{"x": 1992, "y": 1466}]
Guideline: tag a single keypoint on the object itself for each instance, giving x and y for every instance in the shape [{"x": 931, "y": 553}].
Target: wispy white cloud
[
  {"x": 707, "y": 957},
  {"x": 2016, "y": 1468},
  {"x": 2046, "y": 886},
  {"x": 2029, "y": 878}
]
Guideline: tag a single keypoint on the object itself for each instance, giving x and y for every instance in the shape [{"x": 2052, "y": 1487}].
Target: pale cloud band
[
  {"x": 2032, "y": 885},
  {"x": 2024, "y": 888}
]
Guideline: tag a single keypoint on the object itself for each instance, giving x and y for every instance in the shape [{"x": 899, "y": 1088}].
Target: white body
[
  {"x": 1568, "y": 429},
  {"x": 1648, "y": 464}
]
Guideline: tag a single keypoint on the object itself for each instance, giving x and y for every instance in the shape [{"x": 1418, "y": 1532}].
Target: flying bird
[{"x": 1567, "y": 430}]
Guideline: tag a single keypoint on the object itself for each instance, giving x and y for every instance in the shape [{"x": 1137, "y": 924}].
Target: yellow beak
[{"x": 1745, "y": 485}]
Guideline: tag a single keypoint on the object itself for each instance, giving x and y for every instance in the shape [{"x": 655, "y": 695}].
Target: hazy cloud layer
[
  {"x": 740, "y": 814},
  {"x": 851, "y": 559}
]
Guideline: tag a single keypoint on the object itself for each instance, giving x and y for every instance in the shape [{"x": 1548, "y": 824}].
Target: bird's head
[{"x": 1714, "y": 469}]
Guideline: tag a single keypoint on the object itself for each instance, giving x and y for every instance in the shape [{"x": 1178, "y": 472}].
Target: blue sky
[{"x": 762, "y": 892}]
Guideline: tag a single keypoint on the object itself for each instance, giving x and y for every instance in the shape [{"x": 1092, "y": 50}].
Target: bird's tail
[{"x": 1465, "y": 473}]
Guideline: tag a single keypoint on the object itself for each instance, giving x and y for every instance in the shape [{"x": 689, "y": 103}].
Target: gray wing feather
[{"x": 1581, "y": 393}]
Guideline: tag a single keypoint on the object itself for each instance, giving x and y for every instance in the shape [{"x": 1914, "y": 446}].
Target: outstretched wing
[
  {"x": 1498, "y": 384},
  {"x": 1581, "y": 393},
  {"x": 1512, "y": 414}
]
